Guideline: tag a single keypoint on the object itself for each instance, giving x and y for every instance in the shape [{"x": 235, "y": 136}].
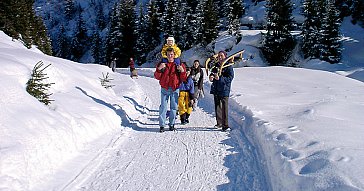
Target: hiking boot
[
  {"x": 171, "y": 128},
  {"x": 225, "y": 128},
  {"x": 187, "y": 116},
  {"x": 183, "y": 119},
  {"x": 161, "y": 129},
  {"x": 217, "y": 126}
]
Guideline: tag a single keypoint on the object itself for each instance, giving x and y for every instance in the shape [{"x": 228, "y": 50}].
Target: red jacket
[{"x": 170, "y": 77}]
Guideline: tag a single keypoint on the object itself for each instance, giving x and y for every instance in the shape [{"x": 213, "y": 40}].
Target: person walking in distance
[
  {"x": 220, "y": 88},
  {"x": 133, "y": 71},
  {"x": 170, "y": 77},
  {"x": 113, "y": 64}
]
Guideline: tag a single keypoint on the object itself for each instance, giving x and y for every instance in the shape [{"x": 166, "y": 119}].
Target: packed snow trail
[{"x": 195, "y": 157}]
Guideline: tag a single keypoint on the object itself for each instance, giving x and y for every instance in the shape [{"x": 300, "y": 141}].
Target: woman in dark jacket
[
  {"x": 220, "y": 88},
  {"x": 197, "y": 77}
]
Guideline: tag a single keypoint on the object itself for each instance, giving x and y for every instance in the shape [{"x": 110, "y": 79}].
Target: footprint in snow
[
  {"x": 314, "y": 166},
  {"x": 294, "y": 129},
  {"x": 291, "y": 154}
]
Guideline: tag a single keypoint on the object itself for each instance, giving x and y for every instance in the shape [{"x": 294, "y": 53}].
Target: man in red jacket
[{"x": 170, "y": 77}]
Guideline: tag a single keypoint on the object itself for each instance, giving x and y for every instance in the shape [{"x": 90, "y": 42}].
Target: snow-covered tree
[
  {"x": 114, "y": 37},
  {"x": 153, "y": 24},
  {"x": 278, "y": 41},
  {"x": 171, "y": 18},
  {"x": 69, "y": 9},
  {"x": 127, "y": 15},
  {"x": 311, "y": 30},
  {"x": 196, "y": 23},
  {"x": 209, "y": 22},
  {"x": 18, "y": 20},
  {"x": 331, "y": 38},
  {"x": 143, "y": 40},
  {"x": 236, "y": 11}
]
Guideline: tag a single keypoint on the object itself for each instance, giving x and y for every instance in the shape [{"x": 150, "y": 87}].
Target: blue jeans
[{"x": 172, "y": 97}]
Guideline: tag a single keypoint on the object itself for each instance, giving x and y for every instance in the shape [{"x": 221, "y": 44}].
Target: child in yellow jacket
[{"x": 177, "y": 52}]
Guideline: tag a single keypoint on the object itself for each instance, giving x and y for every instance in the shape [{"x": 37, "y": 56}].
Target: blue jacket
[
  {"x": 222, "y": 86},
  {"x": 188, "y": 86}
]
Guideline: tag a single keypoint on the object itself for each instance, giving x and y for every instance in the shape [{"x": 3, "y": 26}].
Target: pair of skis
[{"x": 211, "y": 62}]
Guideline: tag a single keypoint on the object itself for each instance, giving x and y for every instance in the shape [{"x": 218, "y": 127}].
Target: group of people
[
  {"x": 182, "y": 86},
  {"x": 133, "y": 71}
]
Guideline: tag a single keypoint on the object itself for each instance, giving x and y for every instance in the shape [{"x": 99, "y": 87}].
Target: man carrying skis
[
  {"x": 170, "y": 77},
  {"x": 220, "y": 88}
]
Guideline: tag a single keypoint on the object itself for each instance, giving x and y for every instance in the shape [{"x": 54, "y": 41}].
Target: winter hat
[{"x": 170, "y": 38}]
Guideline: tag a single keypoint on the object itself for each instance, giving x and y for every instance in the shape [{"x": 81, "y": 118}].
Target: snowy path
[{"x": 195, "y": 157}]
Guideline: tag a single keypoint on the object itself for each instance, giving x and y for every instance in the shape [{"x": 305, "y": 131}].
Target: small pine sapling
[
  {"x": 105, "y": 81},
  {"x": 36, "y": 86}
]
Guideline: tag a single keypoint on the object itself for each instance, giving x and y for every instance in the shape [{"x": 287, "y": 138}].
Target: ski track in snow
[{"x": 195, "y": 157}]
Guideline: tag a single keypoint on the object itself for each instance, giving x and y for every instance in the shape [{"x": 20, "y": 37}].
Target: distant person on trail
[
  {"x": 170, "y": 76},
  {"x": 197, "y": 77},
  {"x": 131, "y": 64},
  {"x": 220, "y": 88},
  {"x": 171, "y": 44},
  {"x": 186, "y": 98},
  {"x": 113, "y": 64},
  {"x": 133, "y": 71}
]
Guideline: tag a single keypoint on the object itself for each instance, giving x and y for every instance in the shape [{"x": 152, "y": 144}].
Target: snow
[{"x": 292, "y": 128}]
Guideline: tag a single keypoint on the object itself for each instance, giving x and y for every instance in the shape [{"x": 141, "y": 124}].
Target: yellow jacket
[{"x": 177, "y": 51}]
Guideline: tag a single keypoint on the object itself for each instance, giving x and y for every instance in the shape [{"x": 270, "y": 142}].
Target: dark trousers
[{"x": 221, "y": 110}]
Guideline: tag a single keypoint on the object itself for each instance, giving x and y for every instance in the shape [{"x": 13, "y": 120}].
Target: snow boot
[
  {"x": 187, "y": 116},
  {"x": 183, "y": 119},
  {"x": 224, "y": 128},
  {"x": 171, "y": 128},
  {"x": 161, "y": 129}
]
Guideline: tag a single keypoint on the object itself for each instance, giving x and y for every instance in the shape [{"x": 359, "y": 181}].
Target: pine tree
[
  {"x": 36, "y": 85},
  {"x": 142, "y": 43},
  {"x": 278, "y": 42},
  {"x": 171, "y": 18},
  {"x": 69, "y": 9},
  {"x": 236, "y": 11},
  {"x": 181, "y": 23},
  {"x": 160, "y": 10},
  {"x": 96, "y": 48},
  {"x": 189, "y": 26},
  {"x": 18, "y": 20},
  {"x": 80, "y": 40},
  {"x": 41, "y": 39},
  {"x": 331, "y": 44},
  {"x": 311, "y": 30},
  {"x": 114, "y": 37},
  {"x": 101, "y": 20},
  {"x": 63, "y": 48},
  {"x": 196, "y": 25},
  {"x": 153, "y": 25},
  {"x": 209, "y": 23},
  {"x": 358, "y": 12},
  {"x": 127, "y": 15}
]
